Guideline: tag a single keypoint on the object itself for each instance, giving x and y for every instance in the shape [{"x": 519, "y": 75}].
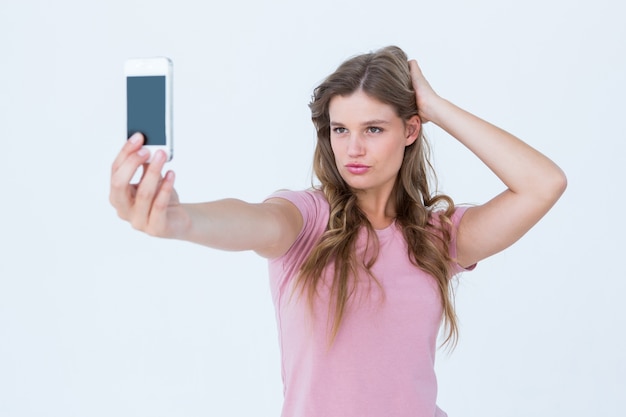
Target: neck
[{"x": 379, "y": 209}]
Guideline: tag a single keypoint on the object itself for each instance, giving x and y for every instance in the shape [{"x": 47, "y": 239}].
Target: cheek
[
  {"x": 393, "y": 160},
  {"x": 393, "y": 151}
]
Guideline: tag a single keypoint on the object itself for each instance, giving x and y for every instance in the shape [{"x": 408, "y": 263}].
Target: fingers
[
  {"x": 147, "y": 190},
  {"x": 145, "y": 204},
  {"x": 132, "y": 145},
  {"x": 158, "y": 213},
  {"x": 425, "y": 96},
  {"x": 127, "y": 162},
  {"x": 416, "y": 74}
]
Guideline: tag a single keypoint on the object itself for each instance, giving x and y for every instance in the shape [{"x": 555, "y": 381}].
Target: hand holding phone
[
  {"x": 151, "y": 204},
  {"x": 149, "y": 103}
]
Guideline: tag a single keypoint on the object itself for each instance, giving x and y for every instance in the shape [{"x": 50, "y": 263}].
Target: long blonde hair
[{"x": 383, "y": 75}]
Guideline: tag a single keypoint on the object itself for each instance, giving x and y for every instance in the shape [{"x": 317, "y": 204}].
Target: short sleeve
[
  {"x": 315, "y": 212},
  {"x": 459, "y": 211}
]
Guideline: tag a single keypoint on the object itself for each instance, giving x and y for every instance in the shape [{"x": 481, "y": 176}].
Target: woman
[{"x": 360, "y": 266}]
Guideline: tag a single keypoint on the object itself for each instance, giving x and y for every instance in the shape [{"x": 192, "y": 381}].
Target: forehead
[{"x": 358, "y": 107}]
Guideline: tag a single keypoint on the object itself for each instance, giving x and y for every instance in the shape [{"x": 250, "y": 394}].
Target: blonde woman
[{"x": 361, "y": 264}]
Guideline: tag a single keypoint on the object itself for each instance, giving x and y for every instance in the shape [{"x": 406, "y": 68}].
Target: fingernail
[
  {"x": 135, "y": 138},
  {"x": 143, "y": 152},
  {"x": 159, "y": 156}
]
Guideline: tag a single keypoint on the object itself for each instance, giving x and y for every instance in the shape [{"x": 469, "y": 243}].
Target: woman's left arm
[{"x": 534, "y": 183}]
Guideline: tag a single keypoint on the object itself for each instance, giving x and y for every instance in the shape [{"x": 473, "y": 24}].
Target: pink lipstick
[{"x": 357, "y": 169}]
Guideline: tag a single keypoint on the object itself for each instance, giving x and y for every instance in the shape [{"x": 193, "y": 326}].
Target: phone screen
[{"x": 145, "y": 107}]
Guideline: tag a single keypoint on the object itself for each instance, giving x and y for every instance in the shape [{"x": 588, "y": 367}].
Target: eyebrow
[{"x": 366, "y": 123}]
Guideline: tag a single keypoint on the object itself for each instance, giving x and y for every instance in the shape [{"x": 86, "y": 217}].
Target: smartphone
[{"x": 149, "y": 102}]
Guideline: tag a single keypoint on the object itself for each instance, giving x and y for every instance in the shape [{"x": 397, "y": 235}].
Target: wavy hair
[{"x": 383, "y": 75}]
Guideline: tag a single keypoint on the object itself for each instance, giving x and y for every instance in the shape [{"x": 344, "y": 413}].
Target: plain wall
[{"x": 97, "y": 319}]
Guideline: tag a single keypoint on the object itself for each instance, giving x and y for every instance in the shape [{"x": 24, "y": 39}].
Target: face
[{"x": 368, "y": 141}]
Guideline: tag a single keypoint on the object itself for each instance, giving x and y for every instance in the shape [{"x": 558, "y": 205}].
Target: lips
[{"x": 357, "y": 169}]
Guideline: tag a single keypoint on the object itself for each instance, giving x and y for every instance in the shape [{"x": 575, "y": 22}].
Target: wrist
[{"x": 436, "y": 110}]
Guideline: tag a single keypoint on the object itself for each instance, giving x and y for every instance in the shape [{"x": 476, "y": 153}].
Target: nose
[{"x": 356, "y": 146}]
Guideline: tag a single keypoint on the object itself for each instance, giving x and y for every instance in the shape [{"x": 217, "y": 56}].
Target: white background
[{"x": 97, "y": 319}]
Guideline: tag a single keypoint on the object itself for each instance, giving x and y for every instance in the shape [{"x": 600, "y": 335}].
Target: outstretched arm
[
  {"x": 534, "y": 183},
  {"x": 152, "y": 206}
]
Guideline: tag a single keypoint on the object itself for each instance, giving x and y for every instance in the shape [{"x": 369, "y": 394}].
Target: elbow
[
  {"x": 555, "y": 185},
  {"x": 560, "y": 182}
]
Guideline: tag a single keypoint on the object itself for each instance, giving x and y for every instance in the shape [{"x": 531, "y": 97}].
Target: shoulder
[
  {"x": 310, "y": 202},
  {"x": 449, "y": 221},
  {"x": 301, "y": 195},
  {"x": 448, "y": 218},
  {"x": 314, "y": 211}
]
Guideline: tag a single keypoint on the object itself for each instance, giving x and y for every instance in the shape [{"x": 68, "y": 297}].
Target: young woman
[{"x": 360, "y": 266}]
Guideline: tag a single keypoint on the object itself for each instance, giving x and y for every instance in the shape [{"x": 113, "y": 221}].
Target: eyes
[{"x": 370, "y": 130}]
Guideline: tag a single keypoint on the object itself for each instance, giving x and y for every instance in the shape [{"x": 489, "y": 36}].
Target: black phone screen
[{"x": 145, "y": 108}]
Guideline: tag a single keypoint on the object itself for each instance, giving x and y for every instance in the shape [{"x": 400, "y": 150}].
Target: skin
[
  {"x": 368, "y": 133},
  {"x": 533, "y": 182}
]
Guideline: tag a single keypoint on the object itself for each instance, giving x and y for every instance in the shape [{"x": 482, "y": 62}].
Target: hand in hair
[
  {"x": 534, "y": 183},
  {"x": 424, "y": 93}
]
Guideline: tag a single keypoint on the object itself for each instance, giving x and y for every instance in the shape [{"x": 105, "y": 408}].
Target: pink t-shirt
[{"x": 381, "y": 362}]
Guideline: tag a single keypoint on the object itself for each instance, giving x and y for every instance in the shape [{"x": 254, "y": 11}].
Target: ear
[{"x": 412, "y": 129}]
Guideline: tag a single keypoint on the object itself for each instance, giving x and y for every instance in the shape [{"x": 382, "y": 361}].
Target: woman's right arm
[{"x": 153, "y": 207}]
